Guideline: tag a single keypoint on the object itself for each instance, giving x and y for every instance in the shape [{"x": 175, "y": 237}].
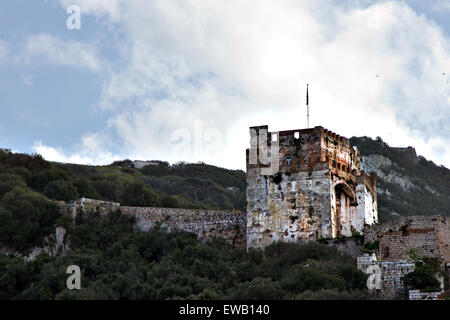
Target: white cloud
[
  {"x": 4, "y": 51},
  {"x": 112, "y": 9},
  {"x": 27, "y": 79},
  {"x": 91, "y": 150},
  {"x": 442, "y": 5},
  {"x": 57, "y": 154},
  {"x": 232, "y": 64},
  {"x": 48, "y": 49}
]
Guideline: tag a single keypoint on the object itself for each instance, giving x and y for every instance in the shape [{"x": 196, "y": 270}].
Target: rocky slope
[{"x": 407, "y": 184}]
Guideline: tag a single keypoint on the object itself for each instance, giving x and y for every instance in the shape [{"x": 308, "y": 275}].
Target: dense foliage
[
  {"x": 180, "y": 186},
  {"x": 26, "y": 217},
  {"x": 117, "y": 263},
  {"x": 426, "y": 271},
  {"x": 28, "y": 182},
  {"x": 212, "y": 186}
]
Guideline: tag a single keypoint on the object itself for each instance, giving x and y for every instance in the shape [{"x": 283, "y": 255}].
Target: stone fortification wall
[
  {"x": 289, "y": 210},
  {"x": 418, "y": 295},
  {"x": 206, "y": 224},
  {"x": 427, "y": 235}
]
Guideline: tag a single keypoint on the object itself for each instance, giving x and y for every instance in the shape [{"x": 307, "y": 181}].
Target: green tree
[
  {"x": 10, "y": 181},
  {"x": 259, "y": 289},
  {"x": 27, "y": 217},
  {"x": 424, "y": 275},
  {"x": 85, "y": 188},
  {"x": 61, "y": 190},
  {"x": 138, "y": 194}
]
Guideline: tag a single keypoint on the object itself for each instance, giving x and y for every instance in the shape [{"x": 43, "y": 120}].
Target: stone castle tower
[{"x": 305, "y": 184}]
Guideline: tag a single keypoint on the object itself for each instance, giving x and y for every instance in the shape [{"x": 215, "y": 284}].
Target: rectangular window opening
[{"x": 274, "y": 137}]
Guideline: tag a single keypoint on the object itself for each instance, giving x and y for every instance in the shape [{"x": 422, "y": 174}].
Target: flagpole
[{"x": 307, "y": 105}]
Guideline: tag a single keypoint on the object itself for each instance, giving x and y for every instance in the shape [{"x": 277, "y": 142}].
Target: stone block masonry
[
  {"x": 418, "y": 295},
  {"x": 385, "y": 277},
  {"x": 206, "y": 224},
  {"x": 427, "y": 235}
]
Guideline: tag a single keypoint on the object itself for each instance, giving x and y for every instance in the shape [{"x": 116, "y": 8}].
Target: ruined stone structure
[
  {"x": 305, "y": 185},
  {"x": 417, "y": 295},
  {"x": 385, "y": 277},
  {"x": 427, "y": 235},
  {"x": 206, "y": 224},
  {"x": 87, "y": 205}
]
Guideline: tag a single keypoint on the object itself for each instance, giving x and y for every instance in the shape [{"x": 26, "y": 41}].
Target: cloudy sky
[{"x": 183, "y": 80}]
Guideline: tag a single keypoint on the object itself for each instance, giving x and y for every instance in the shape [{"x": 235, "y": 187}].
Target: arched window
[{"x": 288, "y": 160}]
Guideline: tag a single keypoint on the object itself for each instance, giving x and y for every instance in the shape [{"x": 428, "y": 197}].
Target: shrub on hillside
[{"x": 26, "y": 218}]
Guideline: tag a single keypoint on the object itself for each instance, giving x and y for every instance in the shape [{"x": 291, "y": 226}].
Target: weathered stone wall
[
  {"x": 206, "y": 224},
  {"x": 385, "y": 277},
  {"x": 87, "y": 205},
  {"x": 418, "y": 295},
  {"x": 351, "y": 246},
  {"x": 292, "y": 209},
  {"x": 444, "y": 240},
  {"x": 344, "y": 161},
  {"x": 367, "y": 200},
  {"x": 343, "y": 213},
  {"x": 428, "y": 235}
]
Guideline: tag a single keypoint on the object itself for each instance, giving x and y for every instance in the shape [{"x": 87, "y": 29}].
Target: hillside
[
  {"x": 180, "y": 186},
  {"x": 120, "y": 263},
  {"x": 28, "y": 183},
  {"x": 407, "y": 184}
]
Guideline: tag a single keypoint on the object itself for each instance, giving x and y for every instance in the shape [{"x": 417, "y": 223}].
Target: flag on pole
[
  {"x": 307, "y": 106},
  {"x": 307, "y": 96}
]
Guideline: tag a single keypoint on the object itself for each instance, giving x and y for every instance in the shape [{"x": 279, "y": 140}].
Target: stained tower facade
[{"x": 305, "y": 184}]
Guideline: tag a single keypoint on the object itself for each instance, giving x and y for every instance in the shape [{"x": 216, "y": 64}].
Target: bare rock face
[
  {"x": 390, "y": 172},
  {"x": 55, "y": 245},
  {"x": 386, "y": 170},
  {"x": 61, "y": 246},
  {"x": 36, "y": 252},
  {"x": 8, "y": 252}
]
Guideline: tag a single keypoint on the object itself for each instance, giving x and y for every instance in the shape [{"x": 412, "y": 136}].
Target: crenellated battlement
[{"x": 306, "y": 150}]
